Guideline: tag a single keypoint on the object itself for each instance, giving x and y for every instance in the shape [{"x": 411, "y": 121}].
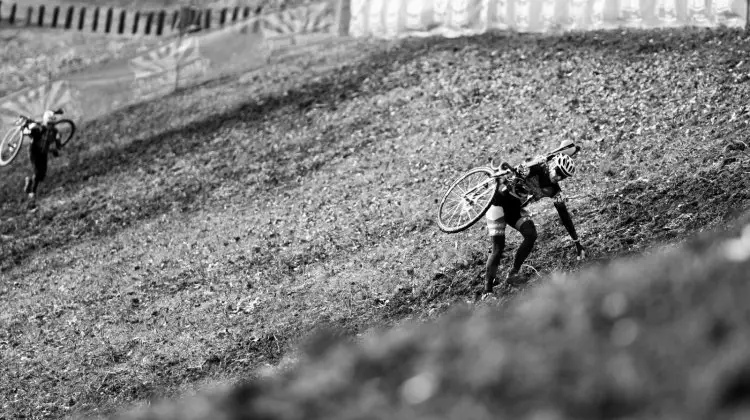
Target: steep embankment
[
  {"x": 196, "y": 238},
  {"x": 658, "y": 337}
]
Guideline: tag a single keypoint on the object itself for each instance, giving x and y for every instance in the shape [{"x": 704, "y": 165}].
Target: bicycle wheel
[
  {"x": 11, "y": 145},
  {"x": 67, "y": 129},
  {"x": 467, "y": 200}
]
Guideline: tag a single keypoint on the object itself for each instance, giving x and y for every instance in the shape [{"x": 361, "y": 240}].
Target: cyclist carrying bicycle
[
  {"x": 534, "y": 180},
  {"x": 42, "y": 137}
]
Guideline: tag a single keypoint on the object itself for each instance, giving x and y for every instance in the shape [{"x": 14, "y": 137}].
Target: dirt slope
[
  {"x": 198, "y": 238},
  {"x": 658, "y": 337}
]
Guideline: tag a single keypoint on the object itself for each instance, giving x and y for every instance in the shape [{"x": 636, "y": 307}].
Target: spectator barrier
[
  {"x": 247, "y": 45},
  {"x": 118, "y": 21},
  {"x": 176, "y": 62},
  {"x": 399, "y": 18}
]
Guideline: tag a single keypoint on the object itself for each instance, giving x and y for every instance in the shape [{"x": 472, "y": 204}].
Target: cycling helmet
[
  {"x": 49, "y": 117},
  {"x": 564, "y": 164}
]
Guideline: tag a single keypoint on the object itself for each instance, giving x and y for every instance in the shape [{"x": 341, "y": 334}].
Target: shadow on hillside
[{"x": 152, "y": 145}]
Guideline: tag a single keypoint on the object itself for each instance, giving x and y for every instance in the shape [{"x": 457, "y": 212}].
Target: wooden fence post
[
  {"x": 12, "y": 18},
  {"x": 160, "y": 22},
  {"x": 81, "y": 18},
  {"x": 121, "y": 26},
  {"x": 343, "y": 16},
  {"x": 108, "y": 22},
  {"x": 29, "y": 13},
  {"x": 55, "y": 16},
  {"x": 149, "y": 21},
  {"x": 69, "y": 18},
  {"x": 95, "y": 24},
  {"x": 40, "y": 20},
  {"x": 135, "y": 21},
  {"x": 177, "y": 64}
]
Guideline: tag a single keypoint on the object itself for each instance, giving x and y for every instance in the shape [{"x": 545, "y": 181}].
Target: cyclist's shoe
[
  {"x": 482, "y": 294},
  {"x": 55, "y": 152},
  {"x": 514, "y": 278},
  {"x": 488, "y": 297},
  {"x": 27, "y": 185},
  {"x": 31, "y": 205}
]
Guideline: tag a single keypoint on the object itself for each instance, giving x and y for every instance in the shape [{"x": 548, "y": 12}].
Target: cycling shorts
[{"x": 505, "y": 210}]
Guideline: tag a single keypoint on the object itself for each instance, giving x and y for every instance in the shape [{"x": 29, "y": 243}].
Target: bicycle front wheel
[
  {"x": 11, "y": 145},
  {"x": 67, "y": 129},
  {"x": 467, "y": 200}
]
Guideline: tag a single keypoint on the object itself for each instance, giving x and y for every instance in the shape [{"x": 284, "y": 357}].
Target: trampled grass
[{"x": 197, "y": 238}]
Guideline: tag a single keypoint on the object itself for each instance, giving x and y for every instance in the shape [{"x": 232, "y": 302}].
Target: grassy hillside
[
  {"x": 198, "y": 238},
  {"x": 659, "y": 337}
]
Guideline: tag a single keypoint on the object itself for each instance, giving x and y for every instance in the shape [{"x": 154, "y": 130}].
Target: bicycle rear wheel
[
  {"x": 467, "y": 200},
  {"x": 67, "y": 129},
  {"x": 11, "y": 145}
]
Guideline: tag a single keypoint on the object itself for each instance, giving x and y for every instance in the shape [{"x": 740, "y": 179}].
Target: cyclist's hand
[
  {"x": 580, "y": 251},
  {"x": 522, "y": 170},
  {"x": 538, "y": 159}
]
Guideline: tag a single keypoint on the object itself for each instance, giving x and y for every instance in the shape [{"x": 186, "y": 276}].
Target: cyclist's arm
[
  {"x": 529, "y": 169},
  {"x": 562, "y": 210},
  {"x": 56, "y": 137}
]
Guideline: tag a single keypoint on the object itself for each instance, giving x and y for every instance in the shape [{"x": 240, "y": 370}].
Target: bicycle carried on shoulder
[
  {"x": 12, "y": 142},
  {"x": 470, "y": 196}
]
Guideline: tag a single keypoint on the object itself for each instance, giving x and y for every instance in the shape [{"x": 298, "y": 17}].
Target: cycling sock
[
  {"x": 528, "y": 230},
  {"x": 494, "y": 260}
]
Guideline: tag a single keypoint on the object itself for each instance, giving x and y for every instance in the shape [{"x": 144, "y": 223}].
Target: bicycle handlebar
[
  {"x": 506, "y": 166},
  {"x": 58, "y": 111},
  {"x": 26, "y": 120},
  {"x": 23, "y": 120}
]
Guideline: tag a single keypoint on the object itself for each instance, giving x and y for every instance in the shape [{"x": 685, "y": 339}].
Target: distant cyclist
[
  {"x": 535, "y": 180},
  {"x": 43, "y": 136}
]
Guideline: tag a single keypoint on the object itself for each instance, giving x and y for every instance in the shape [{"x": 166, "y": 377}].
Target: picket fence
[
  {"x": 118, "y": 21},
  {"x": 399, "y": 18}
]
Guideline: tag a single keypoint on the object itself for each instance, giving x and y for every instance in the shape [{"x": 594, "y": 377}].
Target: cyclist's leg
[
  {"x": 56, "y": 139},
  {"x": 39, "y": 161},
  {"x": 56, "y": 136},
  {"x": 526, "y": 227},
  {"x": 27, "y": 180},
  {"x": 496, "y": 228}
]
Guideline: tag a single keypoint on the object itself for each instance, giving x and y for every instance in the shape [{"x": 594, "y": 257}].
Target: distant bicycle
[{"x": 13, "y": 140}]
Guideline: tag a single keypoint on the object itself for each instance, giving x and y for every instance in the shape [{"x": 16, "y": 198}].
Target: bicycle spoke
[
  {"x": 483, "y": 194},
  {"x": 466, "y": 200},
  {"x": 457, "y": 199},
  {"x": 457, "y": 209},
  {"x": 471, "y": 190},
  {"x": 459, "y": 218}
]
